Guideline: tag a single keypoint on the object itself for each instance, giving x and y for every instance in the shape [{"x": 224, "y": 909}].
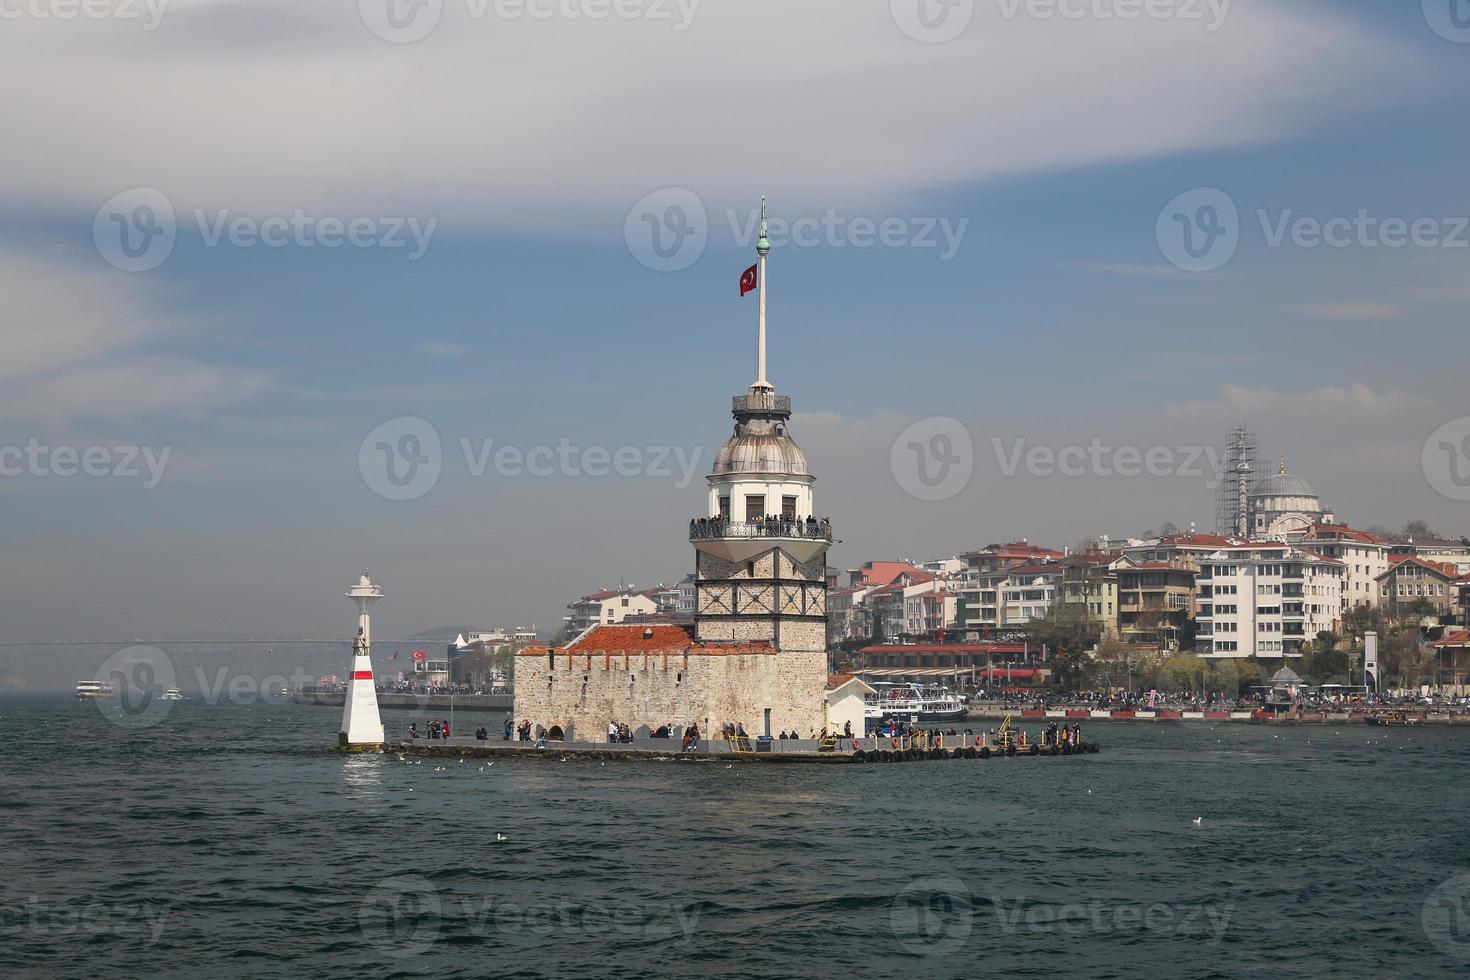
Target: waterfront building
[
  {"x": 1156, "y": 601},
  {"x": 756, "y": 652},
  {"x": 1364, "y": 557},
  {"x": 1089, "y": 590},
  {"x": 1265, "y": 599},
  {"x": 981, "y": 608},
  {"x": 1410, "y": 579},
  {"x": 607, "y": 607},
  {"x": 962, "y": 665},
  {"x": 848, "y": 616}
]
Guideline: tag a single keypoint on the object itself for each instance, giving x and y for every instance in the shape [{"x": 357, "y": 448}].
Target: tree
[
  {"x": 1169, "y": 529},
  {"x": 1225, "y": 676},
  {"x": 1182, "y": 672},
  {"x": 1322, "y": 659},
  {"x": 1419, "y": 531}
]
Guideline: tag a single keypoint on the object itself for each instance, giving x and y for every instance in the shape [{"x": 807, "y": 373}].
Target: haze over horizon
[{"x": 551, "y": 267}]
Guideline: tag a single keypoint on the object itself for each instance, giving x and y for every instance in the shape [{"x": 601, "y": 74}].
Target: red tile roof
[
  {"x": 1438, "y": 567},
  {"x": 1340, "y": 532},
  {"x": 648, "y": 638}
]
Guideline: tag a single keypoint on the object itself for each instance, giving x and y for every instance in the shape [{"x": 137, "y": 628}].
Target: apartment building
[
  {"x": 607, "y": 607},
  {"x": 1089, "y": 586},
  {"x": 1156, "y": 601},
  {"x": 1266, "y": 600},
  {"x": 1364, "y": 557}
]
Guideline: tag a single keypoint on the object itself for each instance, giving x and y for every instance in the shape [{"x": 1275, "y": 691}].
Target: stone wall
[{"x": 583, "y": 694}]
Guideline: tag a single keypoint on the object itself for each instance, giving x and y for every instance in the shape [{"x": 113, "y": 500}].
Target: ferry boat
[
  {"x": 914, "y": 702},
  {"x": 172, "y": 694},
  {"x": 94, "y": 691}
]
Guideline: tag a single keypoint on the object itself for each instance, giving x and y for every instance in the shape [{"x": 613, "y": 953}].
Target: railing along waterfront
[{"x": 702, "y": 530}]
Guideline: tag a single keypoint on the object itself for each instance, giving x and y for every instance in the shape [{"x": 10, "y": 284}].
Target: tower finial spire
[
  {"x": 762, "y": 246},
  {"x": 1283, "y": 465}
]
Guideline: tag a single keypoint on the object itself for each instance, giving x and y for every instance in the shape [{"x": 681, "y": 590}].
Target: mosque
[
  {"x": 1284, "y": 508},
  {"x": 755, "y": 655}
]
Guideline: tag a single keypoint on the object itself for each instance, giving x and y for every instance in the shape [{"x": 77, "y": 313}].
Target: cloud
[
  {"x": 74, "y": 343},
  {"x": 493, "y": 123},
  {"x": 1334, "y": 403}
]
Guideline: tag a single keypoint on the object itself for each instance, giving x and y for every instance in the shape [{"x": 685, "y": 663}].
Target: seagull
[
  {"x": 501, "y": 837},
  {"x": 1198, "y": 821}
]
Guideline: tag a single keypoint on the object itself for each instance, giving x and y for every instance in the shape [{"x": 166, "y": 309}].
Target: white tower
[
  {"x": 361, "y": 724},
  {"x": 761, "y": 565}
]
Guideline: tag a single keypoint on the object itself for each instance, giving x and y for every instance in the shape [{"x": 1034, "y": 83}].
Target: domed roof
[
  {"x": 769, "y": 451},
  {"x": 761, "y": 442},
  {"x": 1284, "y": 485}
]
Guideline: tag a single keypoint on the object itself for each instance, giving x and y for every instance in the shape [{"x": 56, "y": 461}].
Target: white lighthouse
[{"x": 361, "y": 724}]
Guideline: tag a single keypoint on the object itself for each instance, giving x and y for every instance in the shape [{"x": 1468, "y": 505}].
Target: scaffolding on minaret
[{"x": 1237, "y": 480}]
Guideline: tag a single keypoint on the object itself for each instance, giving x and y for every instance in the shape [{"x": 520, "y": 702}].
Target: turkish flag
[
  {"x": 748, "y": 279},
  {"x": 421, "y": 655}
]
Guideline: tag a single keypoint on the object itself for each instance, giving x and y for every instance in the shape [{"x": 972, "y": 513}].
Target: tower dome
[{"x": 761, "y": 443}]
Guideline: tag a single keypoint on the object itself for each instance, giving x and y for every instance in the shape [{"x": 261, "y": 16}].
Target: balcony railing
[
  {"x": 763, "y": 402},
  {"x": 814, "y": 530}
]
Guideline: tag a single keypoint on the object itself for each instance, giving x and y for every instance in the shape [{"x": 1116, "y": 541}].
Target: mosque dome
[{"x": 1284, "y": 485}]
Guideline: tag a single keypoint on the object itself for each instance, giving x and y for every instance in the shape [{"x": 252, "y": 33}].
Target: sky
[{"x": 258, "y": 258}]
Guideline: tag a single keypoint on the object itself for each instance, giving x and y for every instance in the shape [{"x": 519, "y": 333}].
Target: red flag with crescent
[{"x": 749, "y": 279}]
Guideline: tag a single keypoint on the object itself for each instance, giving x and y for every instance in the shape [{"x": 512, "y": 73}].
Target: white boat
[
  {"x": 913, "y": 702},
  {"x": 172, "y": 694},
  {"x": 94, "y": 691}
]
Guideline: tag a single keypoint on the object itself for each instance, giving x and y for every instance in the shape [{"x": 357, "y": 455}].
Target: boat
[
  {"x": 914, "y": 702},
  {"x": 1397, "y": 718},
  {"x": 94, "y": 691},
  {"x": 172, "y": 694}
]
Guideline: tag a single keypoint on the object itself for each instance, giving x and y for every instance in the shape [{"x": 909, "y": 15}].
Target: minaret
[
  {"x": 361, "y": 724},
  {"x": 761, "y": 551}
]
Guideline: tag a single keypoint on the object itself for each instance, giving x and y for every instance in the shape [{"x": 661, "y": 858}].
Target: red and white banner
[{"x": 749, "y": 279}]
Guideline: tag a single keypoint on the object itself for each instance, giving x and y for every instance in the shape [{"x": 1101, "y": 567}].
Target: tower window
[
  {"x": 750, "y": 569},
  {"x": 788, "y": 508},
  {"x": 725, "y": 508},
  {"x": 755, "y": 509}
]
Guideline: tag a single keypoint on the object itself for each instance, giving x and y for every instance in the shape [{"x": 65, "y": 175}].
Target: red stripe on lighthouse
[{"x": 362, "y": 675}]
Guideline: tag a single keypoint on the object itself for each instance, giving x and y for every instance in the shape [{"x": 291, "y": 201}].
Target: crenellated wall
[{"x": 585, "y": 692}]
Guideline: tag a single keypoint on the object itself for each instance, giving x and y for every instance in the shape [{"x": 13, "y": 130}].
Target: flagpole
[{"x": 762, "y": 246}]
